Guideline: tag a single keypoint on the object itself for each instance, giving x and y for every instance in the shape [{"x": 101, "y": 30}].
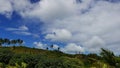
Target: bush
[
  {"x": 108, "y": 56},
  {"x": 50, "y": 63},
  {"x": 5, "y": 55},
  {"x": 63, "y": 62},
  {"x": 2, "y": 65},
  {"x": 72, "y": 62},
  {"x": 17, "y": 58},
  {"x": 31, "y": 60}
]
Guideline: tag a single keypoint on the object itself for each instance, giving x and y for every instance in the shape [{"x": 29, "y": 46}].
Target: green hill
[{"x": 25, "y": 57}]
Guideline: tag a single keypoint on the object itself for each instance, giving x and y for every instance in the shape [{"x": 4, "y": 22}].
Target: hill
[{"x": 25, "y": 57}]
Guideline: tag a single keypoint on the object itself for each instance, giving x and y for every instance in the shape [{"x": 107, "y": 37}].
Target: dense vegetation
[{"x": 24, "y": 57}]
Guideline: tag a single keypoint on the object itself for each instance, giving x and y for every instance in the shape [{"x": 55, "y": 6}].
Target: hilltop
[{"x": 25, "y": 57}]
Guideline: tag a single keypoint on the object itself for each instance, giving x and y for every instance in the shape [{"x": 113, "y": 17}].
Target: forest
[{"x": 16, "y": 55}]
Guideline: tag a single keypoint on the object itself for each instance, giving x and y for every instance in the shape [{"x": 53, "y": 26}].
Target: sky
[{"x": 73, "y": 25}]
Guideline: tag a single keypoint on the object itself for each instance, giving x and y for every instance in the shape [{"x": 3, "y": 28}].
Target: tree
[
  {"x": 5, "y": 55},
  {"x": 52, "y": 46},
  {"x": 1, "y": 42},
  {"x": 6, "y": 40},
  {"x": 13, "y": 42},
  {"x": 47, "y": 48},
  {"x": 50, "y": 63},
  {"x": 108, "y": 56},
  {"x": 19, "y": 41},
  {"x": 58, "y": 48},
  {"x": 31, "y": 60}
]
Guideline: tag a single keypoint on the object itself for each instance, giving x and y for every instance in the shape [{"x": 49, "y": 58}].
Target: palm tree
[
  {"x": 1, "y": 42},
  {"x": 13, "y": 42},
  {"x": 47, "y": 48},
  {"x": 58, "y": 48},
  {"x": 52, "y": 46},
  {"x": 108, "y": 56},
  {"x": 7, "y": 41},
  {"x": 19, "y": 41}
]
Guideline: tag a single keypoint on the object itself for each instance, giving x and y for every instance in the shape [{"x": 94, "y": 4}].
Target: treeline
[{"x": 6, "y": 41}]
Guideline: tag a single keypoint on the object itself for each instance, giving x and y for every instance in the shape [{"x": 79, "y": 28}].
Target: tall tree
[
  {"x": 58, "y": 48},
  {"x": 7, "y": 41},
  {"x": 108, "y": 56},
  {"x": 19, "y": 41},
  {"x": 1, "y": 42},
  {"x": 47, "y": 48},
  {"x": 13, "y": 42},
  {"x": 52, "y": 46}
]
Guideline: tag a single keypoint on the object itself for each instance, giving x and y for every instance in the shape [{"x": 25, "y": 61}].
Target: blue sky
[{"x": 74, "y": 25}]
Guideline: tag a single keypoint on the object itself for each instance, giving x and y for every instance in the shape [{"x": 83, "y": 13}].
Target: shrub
[
  {"x": 31, "y": 60},
  {"x": 5, "y": 55},
  {"x": 17, "y": 58},
  {"x": 50, "y": 63}
]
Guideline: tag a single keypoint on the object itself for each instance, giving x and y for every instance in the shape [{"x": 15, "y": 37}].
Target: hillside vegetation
[{"x": 25, "y": 57}]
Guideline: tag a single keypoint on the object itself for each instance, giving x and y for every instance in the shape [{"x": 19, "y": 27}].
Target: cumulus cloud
[
  {"x": 59, "y": 35},
  {"x": 55, "y": 46},
  {"x": 92, "y": 23},
  {"x": 49, "y": 10},
  {"x": 6, "y": 8},
  {"x": 40, "y": 45},
  {"x": 102, "y": 20},
  {"x": 94, "y": 44},
  {"x": 72, "y": 48}
]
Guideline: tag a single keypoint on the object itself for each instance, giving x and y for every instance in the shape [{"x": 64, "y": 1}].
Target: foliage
[
  {"x": 72, "y": 62},
  {"x": 31, "y": 60},
  {"x": 49, "y": 63},
  {"x": 8, "y": 41},
  {"x": 5, "y": 55},
  {"x": 25, "y": 57},
  {"x": 16, "y": 59},
  {"x": 108, "y": 56}
]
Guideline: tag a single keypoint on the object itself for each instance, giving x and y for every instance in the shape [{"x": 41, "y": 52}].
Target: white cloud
[
  {"x": 94, "y": 44},
  {"x": 95, "y": 41},
  {"x": 21, "y": 28},
  {"x": 40, "y": 45},
  {"x": 102, "y": 20},
  {"x": 36, "y": 35},
  {"x": 59, "y": 35},
  {"x": 49, "y": 10},
  {"x": 5, "y": 8},
  {"x": 72, "y": 48},
  {"x": 55, "y": 46},
  {"x": 22, "y": 33}
]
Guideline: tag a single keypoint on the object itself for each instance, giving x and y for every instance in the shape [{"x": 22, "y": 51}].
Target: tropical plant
[
  {"x": 5, "y": 55},
  {"x": 108, "y": 56}
]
